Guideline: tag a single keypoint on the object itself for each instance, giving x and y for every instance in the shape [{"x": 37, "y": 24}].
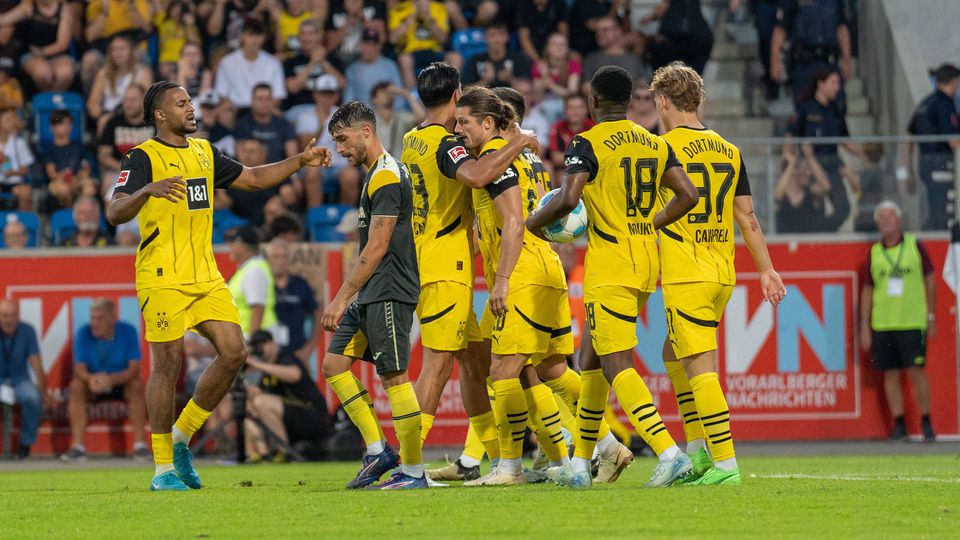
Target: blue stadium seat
[
  {"x": 469, "y": 42},
  {"x": 322, "y": 222},
  {"x": 223, "y": 222},
  {"x": 30, "y": 220},
  {"x": 62, "y": 225},
  {"x": 45, "y": 103}
]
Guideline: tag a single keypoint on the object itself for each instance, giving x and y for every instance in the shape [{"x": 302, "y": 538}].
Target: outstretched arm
[
  {"x": 267, "y": 176},
  {"x": 479, "y": 172},
  {"x": 771, "y": 285}
]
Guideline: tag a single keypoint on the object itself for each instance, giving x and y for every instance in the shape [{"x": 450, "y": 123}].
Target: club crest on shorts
[{"x": 162, "y": 322}]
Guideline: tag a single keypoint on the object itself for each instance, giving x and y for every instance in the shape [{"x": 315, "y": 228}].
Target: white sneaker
[
  {"x": 498, "y": 478},
  {"x": 667, "y": 472}
]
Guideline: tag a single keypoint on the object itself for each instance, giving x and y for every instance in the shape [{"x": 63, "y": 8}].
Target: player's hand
[
  {"x": 526, "y": 137},
  {"x": 172, "y": 189},
  {"x": 866, "y": 337},
  {"x": 498, "y": 297},
  {"x": 315, "y": 156},
  {"x": 332, "y": 315},
  {"x": 772, "y": 287}
]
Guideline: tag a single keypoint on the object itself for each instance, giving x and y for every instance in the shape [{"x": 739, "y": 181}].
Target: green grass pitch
[{"x": 782, "y": 497}]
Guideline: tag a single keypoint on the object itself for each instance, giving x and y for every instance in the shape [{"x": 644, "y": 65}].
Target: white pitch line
[{"x": 858, "y": 478}]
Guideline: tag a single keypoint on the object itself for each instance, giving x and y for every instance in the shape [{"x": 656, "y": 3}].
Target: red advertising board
[{"x": 793, "y": 373}]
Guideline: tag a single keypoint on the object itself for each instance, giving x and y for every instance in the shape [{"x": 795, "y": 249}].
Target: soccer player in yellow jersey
[
  {"x": 167, "y": 183},
  {"x": 618, "y": 167},
  {"x": 442, "y": 172},
  {"x": 696, "y": 256}
]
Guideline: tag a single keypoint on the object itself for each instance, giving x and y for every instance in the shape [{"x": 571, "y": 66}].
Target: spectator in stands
[
  {"x": 15, "y": 161},
  {"x": 128, "y": 234},
  {"x": 20, "y": 350},
  {"x": 305, "y": 67},
  {"x": 483, "y": 12},
  {"x": 224, "y": 21},
  {"x": 347, "y": 25},
  {"x": 296, "y": 304},
  {"x": 217, "y": 120},
  {"x": 897, "y": 315},
  {"x": 176, "y": 27},
  {"x": 107, "y": 19},
  {"x": 287, "y": 228},
  {"x": 124, "y": 130},
  {"x": 612, "y": 52},
  {"x": 818, "y": 115},
  {"x": 191, "y": 73},
  {"x": 370, "y": 69},
  {"x": 286, "y": 17},
  {"x": 935, "y": 115},
  {"x": 106, "y": 366},
  {"x": 11, "y": 93},
  {"x": 89, "y": 233},
  {"x": 557, "y": 74},
  {"x": 393, "y": 124},
  {"x": 419, "y": 29},
  {"x": 537, "y": 22},
  {"x": 250, "y": 204},
  {"x": 536, "y": 118},
  {"x": 45, "y": 29},
  {"x": 339, "y": 177},
  {"x": 499, "y": 65},
  {"x": 576, "y": 119},
  {"x": 264, "y": 125},
  {"x": 583, "y": 18},
  {"x": 241, "y": 70},
  {"x": 765, "y": 19},
  {"x": 67, "y": 164},
  {"x": 120, "y": 71},
  {"x": 287, "y": 402},
  {"x": 819, "y": 36},
  {"x": 14, "y": 233},
  {"x": 642, "y": 109},
  {"x": 799, "y": 196},
  {"x": 684, "y": 35},
  {"x": 252, "y": 284}
]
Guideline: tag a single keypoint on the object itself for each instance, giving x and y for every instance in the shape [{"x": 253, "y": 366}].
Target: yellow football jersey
[
  {"x": 625, "y": 163},
  {"x": 176, "y": 246},
  {"x": 538, "y": 263},
  {"x": 700, "y": 246},
  {"x": 442, "y": 213}
]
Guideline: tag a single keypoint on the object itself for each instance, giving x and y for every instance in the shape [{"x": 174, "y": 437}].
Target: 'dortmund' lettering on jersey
[
  {"x": 508, "y": 174},
  {"x": 457, "y": 153},
  {"x": 122, "y": 178}
]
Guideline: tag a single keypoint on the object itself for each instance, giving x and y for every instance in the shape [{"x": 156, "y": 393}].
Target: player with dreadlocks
[{"x": 167, "y": 183}]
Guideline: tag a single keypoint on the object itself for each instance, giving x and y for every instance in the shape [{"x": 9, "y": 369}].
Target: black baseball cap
[
  {"x": 247, "y": 235},
  {"x": 945, "y": 73},
  {"x": 258, "y": 338}
]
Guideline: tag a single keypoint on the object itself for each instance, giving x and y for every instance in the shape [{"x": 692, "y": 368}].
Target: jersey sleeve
[
  {"x": 580, "y": 158},
  {"x": 672, "y": 160},
  {"x": 743, "y": 182},
  {"x": 254, "y": 287},
  {"x": 510, "y": 178},
  {"x": 386, "y": 195},
  {"x": 451, "y": 155},
  {"x": 135, "y": 172},
  {"x": 225, "y": 169}
]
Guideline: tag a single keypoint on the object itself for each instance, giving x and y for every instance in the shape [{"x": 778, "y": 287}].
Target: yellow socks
[
  {"x": 191, "y": 418},
  {"x": 613, "y": 424},
  {"x": 714, "y": 415},
  {"x": 692, "y": 427},
  {"x": 472, "y": 447},
  {"x": 351, "y": 395},
  {"x": 545, "y": 417},
  {"x": 510, "y": 410},
  {"x": 484, "y": 427},
  {"x": 594, "y": 391},
  {"x": 567, "y": 420},
  {"x": 163, "y": 451},
  {"x": 637, "y": 402},
  {"x": 567, "y": 389},
  {"x": 426, "y": 423},
  {"x": 368, "y": 399},
  {"x": 406, "y": 422}
]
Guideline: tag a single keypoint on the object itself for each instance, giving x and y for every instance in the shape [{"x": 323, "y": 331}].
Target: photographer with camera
[{"x": 286, "y": 402}]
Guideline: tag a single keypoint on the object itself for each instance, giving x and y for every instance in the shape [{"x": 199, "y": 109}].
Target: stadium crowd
[{"x": 266, "y": 75}]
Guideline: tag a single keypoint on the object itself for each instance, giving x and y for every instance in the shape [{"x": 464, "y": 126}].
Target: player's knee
[{"x": 331, "y": 367}]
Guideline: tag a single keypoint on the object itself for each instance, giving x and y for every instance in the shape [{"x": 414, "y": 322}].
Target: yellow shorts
[
  {"x": 447, "y": 320},
  {"x": 537, "y": 323},
  {"x": 693, "y": 314},
  {"x": 612, "y": 313},
  {"x": 168, "y": 312}
]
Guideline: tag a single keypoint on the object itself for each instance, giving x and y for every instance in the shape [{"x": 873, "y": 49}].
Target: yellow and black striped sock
[
  {"x": 191, "y": 418},
  {"x": 368, "y": 399},
  {"x": 510, "y": 410},
  {"x": 567, "y": 420},
  {"x": 594, "y": 391},
  {"x": 692, "y": 427},
  {"x": 637, "y": 402},
  {"x": 485, "y": 427},
  {"x": 426, "y": 424},
  {"x": 714, "y": 415},
  {"x": 615, "y": 426},
  {"x": 546, "y": 419},
  {"x": 351, "y": 394},
  {"x": 406, "y": 422},
  {"x": 567, "y": 389}
]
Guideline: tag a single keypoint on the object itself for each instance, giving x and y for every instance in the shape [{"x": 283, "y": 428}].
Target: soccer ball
[{"x": 567, "y": 228}]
